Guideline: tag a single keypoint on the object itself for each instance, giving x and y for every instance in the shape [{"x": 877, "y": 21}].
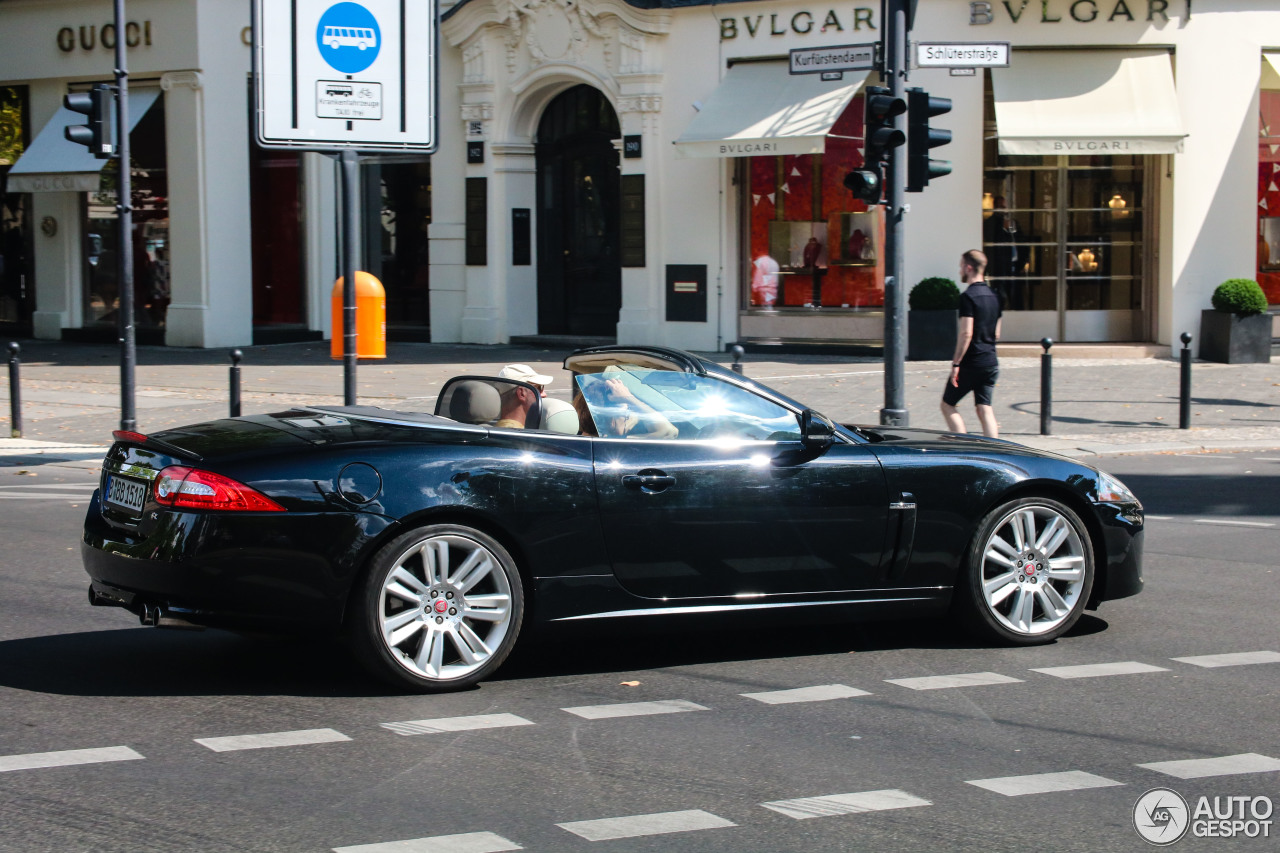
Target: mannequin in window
[{"x": 1001, "y": 236}]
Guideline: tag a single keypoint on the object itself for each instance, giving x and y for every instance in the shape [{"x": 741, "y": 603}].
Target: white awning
[
  {"x": 53, "y": 163},
  {"x": 760, "y": 108},
  {"x": 1271, "y": 75},
  {"x": 1087, "y": 102}
]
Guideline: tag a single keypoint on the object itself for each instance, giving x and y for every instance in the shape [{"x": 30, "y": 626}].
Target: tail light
[{"x": 191, "y": 488}]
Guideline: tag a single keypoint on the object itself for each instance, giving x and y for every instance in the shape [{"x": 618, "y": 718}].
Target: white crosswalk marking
[
  {"x": 273, "y": 739},
  {"x": 471, "y": 842},
  {"x": 1044, "y": 783},
  {"x": 633, "y": 709},
  {"x": 1232, "y": 523},
  {"x": 820, "y": 693},
  {"x": 939, "y": 682},
  {"x": 635, "y": 826},
  {"x": 1235, "y": 659},
  {"x": 457, "y": 724},
  {"x": 67, "y": 758},
  {"x": 1093, "y": 670},
  {"x": 1227, "y": 765},
  {"x": 838, "y": 804}
]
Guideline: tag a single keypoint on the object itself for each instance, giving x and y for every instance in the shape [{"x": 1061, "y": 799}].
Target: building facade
[{"x": 654, "y": 174}]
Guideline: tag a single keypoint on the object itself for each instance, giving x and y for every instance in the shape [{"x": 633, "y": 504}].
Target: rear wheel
[
  {"x": 439, "y": 609},
  {"x": 1029, "y": 572}
]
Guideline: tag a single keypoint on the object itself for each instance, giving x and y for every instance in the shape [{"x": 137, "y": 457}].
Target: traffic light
[
  {"x": 921, "y": 138},
  {"x": 96, "y": 134},
  {"x": 880, "y": 137}
]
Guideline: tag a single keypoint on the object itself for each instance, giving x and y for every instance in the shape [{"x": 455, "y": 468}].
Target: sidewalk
[{"x": 71, "y": 395}]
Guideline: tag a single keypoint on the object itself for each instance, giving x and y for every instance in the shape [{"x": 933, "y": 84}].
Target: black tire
[
  {"x": 416, "y": 626},
  {"x": 1047, "y": 587}
]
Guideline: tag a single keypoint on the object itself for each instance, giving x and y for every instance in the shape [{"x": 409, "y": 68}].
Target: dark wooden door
[{"x": 579, "y": 265}]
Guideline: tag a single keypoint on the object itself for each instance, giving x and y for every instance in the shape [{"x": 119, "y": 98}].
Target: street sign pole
[
  {"x": 350, "y": 215},
  {"x": 895, "y": 412},
  {"x": 124, "y": 221}
]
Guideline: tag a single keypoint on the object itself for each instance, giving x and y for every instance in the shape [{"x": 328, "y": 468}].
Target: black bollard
[
  {"x": 737, "y": 357},
  {"x": 1046, "y": 387},
  {"x": 15, "y": 392},
  {"x": 236, "y": 355},
  {"x": 1184, "y": 395}
]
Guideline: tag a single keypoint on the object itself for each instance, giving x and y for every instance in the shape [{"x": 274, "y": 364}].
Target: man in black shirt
[{"x": 974, "y": 366}]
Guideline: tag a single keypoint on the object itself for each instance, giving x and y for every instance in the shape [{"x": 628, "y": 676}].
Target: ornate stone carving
[{"x": 473, "y": 63}]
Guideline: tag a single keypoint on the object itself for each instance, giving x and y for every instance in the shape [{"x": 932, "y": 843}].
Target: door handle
[{"x": 649, "y": 481}]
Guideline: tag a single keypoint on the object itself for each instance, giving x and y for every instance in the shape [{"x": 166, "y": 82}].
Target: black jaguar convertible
[{"x": 673, "y": 487}]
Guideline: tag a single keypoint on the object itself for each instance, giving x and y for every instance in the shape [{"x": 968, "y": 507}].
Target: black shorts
[{"x": 980, "y": 380}]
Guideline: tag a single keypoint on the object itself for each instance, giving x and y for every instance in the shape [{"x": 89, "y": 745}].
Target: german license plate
[{"x": 129, "y": 494}]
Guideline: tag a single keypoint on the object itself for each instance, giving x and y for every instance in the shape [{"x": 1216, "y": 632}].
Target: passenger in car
[
  {"x": 516, "y": 403},
  {"x": 618, "y": 413}
]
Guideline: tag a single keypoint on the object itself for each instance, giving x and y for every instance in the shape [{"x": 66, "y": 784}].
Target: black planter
[
  {"x": 931, "y": 335},
  {"x": 1232, "y": 339}
]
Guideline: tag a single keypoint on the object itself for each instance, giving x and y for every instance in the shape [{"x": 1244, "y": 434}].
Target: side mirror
[{"x": 815, "y": 429}]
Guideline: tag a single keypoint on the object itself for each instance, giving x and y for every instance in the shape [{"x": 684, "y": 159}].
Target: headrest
[
  {"x": 474, "y": 402},
  {"x": 559, "y": 416}
]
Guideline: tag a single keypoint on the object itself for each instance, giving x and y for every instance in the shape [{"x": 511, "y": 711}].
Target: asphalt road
[{"x": 544, "y": 778}]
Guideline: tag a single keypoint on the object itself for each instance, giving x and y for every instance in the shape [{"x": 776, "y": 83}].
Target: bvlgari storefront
[{"x": 1109, "y": 171}]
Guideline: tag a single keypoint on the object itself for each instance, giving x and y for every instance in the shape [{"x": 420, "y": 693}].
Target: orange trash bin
[{"x": 371, "y": 318}]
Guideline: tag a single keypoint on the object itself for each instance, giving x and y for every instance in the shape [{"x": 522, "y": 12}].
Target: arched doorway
[{"x": 579, "y": 267}]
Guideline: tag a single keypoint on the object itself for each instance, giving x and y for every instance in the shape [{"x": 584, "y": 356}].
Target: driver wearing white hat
[{"x": 517, "y": 401}]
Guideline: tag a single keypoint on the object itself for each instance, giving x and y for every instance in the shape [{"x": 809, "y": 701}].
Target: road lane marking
[
  {"x": 272, "y": 739},
  {"x": 456, "y": 724},
  {"x": 1227, "y": 765},
  {"x": 838, "y": 804},
  {"x": 662, "y": 823},
  {"x": 820, "y": 693},
  {"x": 1235, "y": 659},
  {"x": 1158, "y": 517},
  {"x": 1093, "y": 670},
  {"x": 1234, "y": 523},
  {"x": 471, "y": 842},
  {"x": 634, "y": 709},
  {"x": 940, "y": 682},
  {"x": 67, "y": 758},
  {"x": 1044, "y": 783}
]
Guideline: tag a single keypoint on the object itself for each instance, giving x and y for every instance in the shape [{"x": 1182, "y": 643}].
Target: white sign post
[
  {"x": 833, "y": 60},
  {"x": 962, "y": 54},
  {"x": 346, "y": 74}
]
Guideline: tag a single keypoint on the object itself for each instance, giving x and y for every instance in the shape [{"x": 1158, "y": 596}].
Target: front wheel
[
  {"x": 439, "y": 608},
  {"x": 1029, "y": 573}
]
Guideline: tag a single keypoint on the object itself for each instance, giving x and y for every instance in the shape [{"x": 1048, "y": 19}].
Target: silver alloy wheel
[
  {"x": 445, "y": 607},
  {"x": 1033, "y": 570}
]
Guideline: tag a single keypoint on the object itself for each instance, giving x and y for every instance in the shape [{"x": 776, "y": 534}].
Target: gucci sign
[{"x": 90, "y": 37}]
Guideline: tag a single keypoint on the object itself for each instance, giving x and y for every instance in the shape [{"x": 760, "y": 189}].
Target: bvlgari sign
[{"x": 1079, "y": 11}]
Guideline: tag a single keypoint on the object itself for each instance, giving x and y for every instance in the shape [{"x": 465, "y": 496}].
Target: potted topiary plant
[
  {"x": 931, "y": 322},
  {"x": 1238, "y": 329}
]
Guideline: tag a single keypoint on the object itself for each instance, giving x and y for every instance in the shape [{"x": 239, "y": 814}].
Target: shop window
[
  {"x": 150, "y": 238},
  {"x": 811, "y": 244},
  {"x": 275, "y": 199},
  {"x": 1269, "y": 195},
  {"x": 398, "y": 214},
  {"x": 16, "y": 285}
]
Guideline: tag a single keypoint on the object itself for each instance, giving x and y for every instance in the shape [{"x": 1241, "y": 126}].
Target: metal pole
[
  {"x": 124, "y": 243},
  {"x": 895, "y": 412},
  {"x": 351, "y": 210},
  {"x": 15, "y": 391},
  {"x": 1046, "y": 387},
  {"x": 236, "y": 355},
  {"x": 1184, "y": 395},
  {"x": 737, "y": 351}
]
